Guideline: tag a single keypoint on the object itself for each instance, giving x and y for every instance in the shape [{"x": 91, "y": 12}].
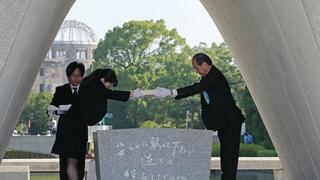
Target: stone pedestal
[
  {"x": 92, "y": 129},
  {"x": 279, "y": 175},
  {"x": 14, "y": 173},
  {"x": 173, "y": 154}
]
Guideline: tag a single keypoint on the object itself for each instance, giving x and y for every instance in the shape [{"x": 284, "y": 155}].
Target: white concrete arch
[
  {"x": 275, "y": 43},
  {"x": 27, "y": 29}
]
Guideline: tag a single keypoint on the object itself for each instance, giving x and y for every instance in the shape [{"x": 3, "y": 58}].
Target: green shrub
[
  {"x": 250, "y": 150},
  {"x": 11, "y": 154},
  {"x": 246, "y": 150},
  {"x": 267, "y": 153},
  {"x": 215, "y": 150},
  {"x": 149, "y": 124},
  {"x": 267, "y": 144}
]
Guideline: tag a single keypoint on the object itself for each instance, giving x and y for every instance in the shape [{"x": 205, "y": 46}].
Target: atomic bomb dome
[
  {"x": 75, "y": 41},
  {"x": 76, "y": 32}
]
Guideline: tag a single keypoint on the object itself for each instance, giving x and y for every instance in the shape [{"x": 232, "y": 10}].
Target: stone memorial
[
  {"x": 92, "y": 129},
  {"x": 17, "y": 172},
  {"x": 153, "y": 154}
]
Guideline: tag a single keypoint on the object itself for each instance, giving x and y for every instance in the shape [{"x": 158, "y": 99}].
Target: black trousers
[
  {"x": 64, "y": 165},
  {"x": 229, "y": 151}
]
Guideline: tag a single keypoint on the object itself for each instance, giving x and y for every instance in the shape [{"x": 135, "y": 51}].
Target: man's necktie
[
  {"x": 206, "y": 96},
  {"x": 75, "y": 92}
]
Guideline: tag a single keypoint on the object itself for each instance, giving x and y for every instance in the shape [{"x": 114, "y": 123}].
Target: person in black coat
[
  {"x": 88, "y": 108},
  {"x": 64, "y": 97},
  {"x": 64, "y": 94},
  {"x": 219, "y": 110}
]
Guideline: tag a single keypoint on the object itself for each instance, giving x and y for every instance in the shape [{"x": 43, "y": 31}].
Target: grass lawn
[{"x": 44, "y": 176}]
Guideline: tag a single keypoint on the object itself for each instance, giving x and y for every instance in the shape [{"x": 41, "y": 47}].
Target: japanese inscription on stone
[{"x": 153, "y": 154}]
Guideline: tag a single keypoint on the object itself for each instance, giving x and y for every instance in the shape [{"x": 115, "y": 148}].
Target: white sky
[{"x": 189, "y": 17}]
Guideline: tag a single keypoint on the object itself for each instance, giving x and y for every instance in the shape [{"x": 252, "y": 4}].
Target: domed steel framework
[
  {"x": 75, "y": 41},
  {"x": 76, "y": 32}
]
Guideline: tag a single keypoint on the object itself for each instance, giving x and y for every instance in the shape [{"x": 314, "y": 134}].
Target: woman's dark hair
[
  {"x": 108, "y": 74},
  {"x": 200, "y": 58},
  {"x": 73, "y": 66}
]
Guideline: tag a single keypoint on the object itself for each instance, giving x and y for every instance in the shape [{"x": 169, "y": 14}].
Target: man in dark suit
[
  {"x": 219, "y": 111},
  {"x": 62, "y": 99}
]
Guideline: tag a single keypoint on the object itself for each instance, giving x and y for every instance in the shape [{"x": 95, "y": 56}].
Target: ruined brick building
[{"x": 75, "y": 41}]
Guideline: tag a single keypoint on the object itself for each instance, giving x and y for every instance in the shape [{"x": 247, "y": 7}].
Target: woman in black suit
[{"x": 88, "y": 108}]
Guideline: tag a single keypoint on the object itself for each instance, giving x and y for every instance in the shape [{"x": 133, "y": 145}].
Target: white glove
[
  {"x": 164, "y": 92},
  {"x": 51, "y": 110},
  {"x": 51, "y": 113},
  {"x": 64, "y": 107},
  {"x": 137, "y": 93}
]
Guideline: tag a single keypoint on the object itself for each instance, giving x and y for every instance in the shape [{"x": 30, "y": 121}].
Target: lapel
[{"x": 69, "y": 89}]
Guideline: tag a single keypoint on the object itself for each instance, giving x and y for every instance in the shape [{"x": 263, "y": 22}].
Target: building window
[
  {"x": 53, "y": 54},
  {"x": 41, "y": 72},
  {"x": 49, "y": 87},
  {"x": 41, "y": 87},
  {"x": 78, "y": 54},
  {"x": 87, "y": 53}
]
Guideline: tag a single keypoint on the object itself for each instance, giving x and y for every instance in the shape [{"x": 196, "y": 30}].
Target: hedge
[
  {"x": 11, "y": 154},
  {"x": 247, "y": 150}
]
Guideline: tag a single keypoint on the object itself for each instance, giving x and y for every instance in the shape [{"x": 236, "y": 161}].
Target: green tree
[
  {"x": 34, "y": 119},
  {"x": 221, "y": 58},
  {"x": 145, "y": 54},
  {"x": 254, "y": 122}
]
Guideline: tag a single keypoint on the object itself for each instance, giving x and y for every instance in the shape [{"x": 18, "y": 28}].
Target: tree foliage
[
  {"x": 34, "y": 119},
  {"x": 146, "y": 55}
]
